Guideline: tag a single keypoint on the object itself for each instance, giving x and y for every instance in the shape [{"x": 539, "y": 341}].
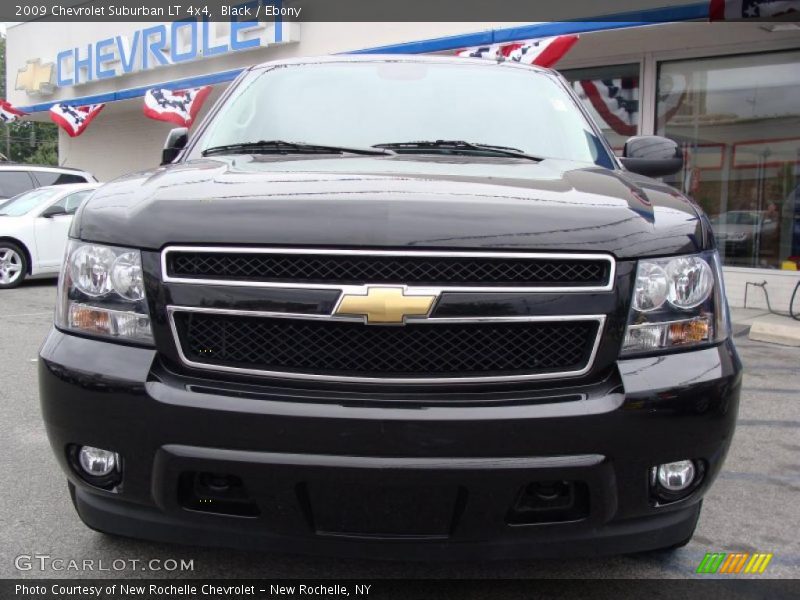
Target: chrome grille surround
[
  {"x": 343, "y": 289},
  {"x": 172, "y": 310},
  {"x": 607, "y": 286}
]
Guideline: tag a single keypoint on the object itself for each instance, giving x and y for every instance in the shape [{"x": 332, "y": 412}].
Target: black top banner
[{"x": 642, "y": 11}]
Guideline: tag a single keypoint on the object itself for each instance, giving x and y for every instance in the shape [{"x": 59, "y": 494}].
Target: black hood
[{"x": 393, "y": 201}]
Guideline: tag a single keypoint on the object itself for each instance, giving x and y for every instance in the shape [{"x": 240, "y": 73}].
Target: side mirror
[
  {"x": 176, "y": 141},
  {"x": 652, "y": 155},
  {"x": 53, "y": 211}
]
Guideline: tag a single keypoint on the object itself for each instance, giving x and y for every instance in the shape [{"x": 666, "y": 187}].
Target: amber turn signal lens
[
  {"x": 109, "y": 323},
  {"x": 689, "y": 332},
  {"x": 90, "y": 320}
]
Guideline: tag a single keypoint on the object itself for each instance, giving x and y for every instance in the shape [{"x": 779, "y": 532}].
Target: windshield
[
  {"x": 364, "y": 104},
  {"x": 25, "y": 202}
]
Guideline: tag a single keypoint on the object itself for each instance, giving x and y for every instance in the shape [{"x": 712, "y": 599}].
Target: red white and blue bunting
[
  {"x": 734, "y": 10},
  {"x": 9, "y": 114},
  {"x": 616, "y": 100},
  {"x": 544, "y": 52},
  {"x": 175, "y": 106},
  {"x": 74, "y": 119}
]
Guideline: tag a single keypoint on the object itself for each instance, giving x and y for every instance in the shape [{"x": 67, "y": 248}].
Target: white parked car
[
  {"x": 33, "y": 231},
  {"x": 16, "y": 178}
]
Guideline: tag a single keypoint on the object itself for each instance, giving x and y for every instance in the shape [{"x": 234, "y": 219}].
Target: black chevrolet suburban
[{"x": 396, "y": 307}]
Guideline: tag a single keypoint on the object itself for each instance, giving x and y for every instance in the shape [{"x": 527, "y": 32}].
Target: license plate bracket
[{"x": 352, "y": 509}]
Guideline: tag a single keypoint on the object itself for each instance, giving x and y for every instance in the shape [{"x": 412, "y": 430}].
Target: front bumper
[{"x": 324, "y": 475}]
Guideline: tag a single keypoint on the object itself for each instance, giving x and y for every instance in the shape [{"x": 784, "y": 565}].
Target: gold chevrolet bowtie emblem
[
  {"x": 385, "y": 305},
  {"x": 35, "y": 77}
]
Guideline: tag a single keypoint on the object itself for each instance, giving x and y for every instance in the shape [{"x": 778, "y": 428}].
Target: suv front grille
[
  {"x": 423, "y": 268},
  {"x": 352, "y": 350}
]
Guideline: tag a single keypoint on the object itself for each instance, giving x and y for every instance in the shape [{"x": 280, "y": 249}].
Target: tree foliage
[{"x": 26, "y": 141}]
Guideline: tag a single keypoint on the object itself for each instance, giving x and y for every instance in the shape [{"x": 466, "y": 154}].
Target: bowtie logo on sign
[{"x": 35, "y": 77}]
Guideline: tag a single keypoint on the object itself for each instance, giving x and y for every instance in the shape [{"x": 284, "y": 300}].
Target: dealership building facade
[{"x": 726, "y": 91}]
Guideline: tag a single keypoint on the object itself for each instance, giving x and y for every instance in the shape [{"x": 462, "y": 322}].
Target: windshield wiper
[
  {"x": 458, "y": 146},
  {"x": 283, "y": 147}
]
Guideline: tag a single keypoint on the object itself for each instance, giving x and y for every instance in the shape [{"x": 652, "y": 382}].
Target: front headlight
[
  {"x": 101, "y": 293},
  {"x": 677, "y": 302}
]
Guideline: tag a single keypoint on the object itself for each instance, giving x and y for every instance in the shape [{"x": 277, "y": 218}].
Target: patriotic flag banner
[
  {"x": 74, "y": 119},
  {"x": 178, "y": 106},
  {"x": 616, "y": 100},
  {"x": 487, "y": 52},
  {"x": 9, "y": 114},
  {"x": 720, "y": 10},
  {"x": 544, "y": 52}
]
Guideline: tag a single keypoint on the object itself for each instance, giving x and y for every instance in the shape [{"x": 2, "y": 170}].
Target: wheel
[{"x": 13, "y": 265}]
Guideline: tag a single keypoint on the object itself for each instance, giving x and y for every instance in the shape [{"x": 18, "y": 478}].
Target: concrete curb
[
  {"x": 742, "y": 319},
  {"x": 775, "y": 329}
]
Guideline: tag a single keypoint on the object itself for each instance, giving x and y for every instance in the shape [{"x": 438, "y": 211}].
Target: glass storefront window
[
  {"x": 738, "y": 118},
  {"x": 611, "y": 94}
]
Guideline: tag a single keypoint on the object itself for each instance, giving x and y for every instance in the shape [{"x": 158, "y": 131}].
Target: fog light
[
  {"x": 96, "y": 461},
  {"x": 676, "y": 476}
]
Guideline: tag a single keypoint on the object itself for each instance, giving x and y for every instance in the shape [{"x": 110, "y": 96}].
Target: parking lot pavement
[{"x": 752, "y": 507}]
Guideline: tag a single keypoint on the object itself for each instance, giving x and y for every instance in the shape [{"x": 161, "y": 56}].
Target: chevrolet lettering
[{"x": 355, "y": 312}]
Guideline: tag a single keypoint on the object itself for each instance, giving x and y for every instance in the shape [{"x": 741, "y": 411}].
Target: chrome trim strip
[
  {"x": 332, "y": 286},
  {"x": 171, "y": 310},
  {"x": 390, "y": 462}
]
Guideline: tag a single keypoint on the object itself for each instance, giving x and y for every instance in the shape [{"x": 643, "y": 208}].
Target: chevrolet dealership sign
[
  {"x": 152, "y": 47},
  {"x": 35, "y": 77}
]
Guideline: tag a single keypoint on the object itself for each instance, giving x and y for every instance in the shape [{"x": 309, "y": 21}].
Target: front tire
[{"x": 13, "y": 265}]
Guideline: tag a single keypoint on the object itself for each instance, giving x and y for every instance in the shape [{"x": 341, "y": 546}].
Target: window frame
[
  {"x": 649, "y": 63},
  {"x": 686, "y": 56}
]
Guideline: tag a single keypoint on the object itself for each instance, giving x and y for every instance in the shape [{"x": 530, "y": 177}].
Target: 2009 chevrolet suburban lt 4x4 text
[{"x": 367, "y": 308}]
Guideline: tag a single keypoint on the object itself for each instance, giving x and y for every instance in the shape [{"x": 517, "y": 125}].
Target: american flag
[
  {"x": 721, "y": 10},
  {"x": 544, "y": 52},
  {"x": 74, "y": 119},
  {"x": 9, "y": 114},
  {"x": 178, "y": 106}
]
